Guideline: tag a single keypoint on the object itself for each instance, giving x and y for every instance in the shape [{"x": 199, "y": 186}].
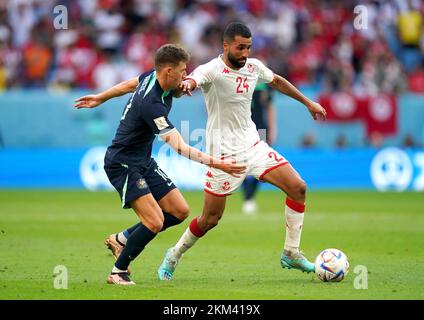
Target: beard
[{"x": 237, "y": 63}]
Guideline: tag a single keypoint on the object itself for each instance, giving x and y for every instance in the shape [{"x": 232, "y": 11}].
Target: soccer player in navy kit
[{"x": 141, "y": 184}]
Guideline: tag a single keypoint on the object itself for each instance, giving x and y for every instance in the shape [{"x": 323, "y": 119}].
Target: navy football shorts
[{"x": 132, "y": 182}]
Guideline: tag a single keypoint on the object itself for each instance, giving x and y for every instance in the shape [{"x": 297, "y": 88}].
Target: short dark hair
[
  {"x": 170, "y": 54},
  {"x": 236, "y": 29}
]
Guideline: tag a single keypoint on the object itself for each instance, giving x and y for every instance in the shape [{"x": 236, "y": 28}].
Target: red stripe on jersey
[
  {"x": 194, "y": 228},
  {"x": 296, "y": 206},
  {"x": 270, "y": 169}
]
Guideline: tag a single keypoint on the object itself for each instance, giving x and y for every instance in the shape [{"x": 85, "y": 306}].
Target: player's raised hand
[
  {"x": 186, "y": 87},
  {"x": 90, "y": 101},
  {"x": 231, "y": 167},
  {"x": 317, "y": 111}
]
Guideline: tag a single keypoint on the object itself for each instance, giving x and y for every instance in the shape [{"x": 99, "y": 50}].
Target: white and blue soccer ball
[{"x": 331, "y": 265}]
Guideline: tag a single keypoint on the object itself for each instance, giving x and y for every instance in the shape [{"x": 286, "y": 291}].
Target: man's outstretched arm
[
  {"x": 93, "y": 100},
  {"x": 175, "y": 140},
  {"x": 284, "y": 86},
  {"x": 185, "y": 88}
]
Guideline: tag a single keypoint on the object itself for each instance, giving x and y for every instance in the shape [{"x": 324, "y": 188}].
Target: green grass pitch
[{"x": 237, "y": 260}]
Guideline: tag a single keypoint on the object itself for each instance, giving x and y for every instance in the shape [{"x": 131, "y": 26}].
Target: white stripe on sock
[
  {"x": 116, "y": 270},
  {"x": 122, "y": 238}
]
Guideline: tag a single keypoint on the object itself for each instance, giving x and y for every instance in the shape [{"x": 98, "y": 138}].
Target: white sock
[
  {"x": 122, "y": 238},
  {"x": 116, "y": 270},
  {"x": 187, "y": 240},
  {"x": 294, "y": 224}
]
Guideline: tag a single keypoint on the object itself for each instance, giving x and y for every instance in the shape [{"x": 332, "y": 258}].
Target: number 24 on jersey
[{"x": 242, "y": 85}]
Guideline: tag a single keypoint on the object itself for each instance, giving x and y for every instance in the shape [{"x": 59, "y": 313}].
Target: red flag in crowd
[
  {"x": 381, "y": 115},
  {"x": 378, "y": 113},
  {"x": 340, "y": 106}
]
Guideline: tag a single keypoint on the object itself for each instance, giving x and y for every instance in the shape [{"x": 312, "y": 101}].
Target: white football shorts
[{"x": 260, "y": 159}]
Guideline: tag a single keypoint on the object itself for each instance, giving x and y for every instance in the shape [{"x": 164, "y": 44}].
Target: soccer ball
[{"x": 331, "y": 265}]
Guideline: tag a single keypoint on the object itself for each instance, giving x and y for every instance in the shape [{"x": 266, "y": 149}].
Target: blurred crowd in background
[{"x": 310, "y": 42}]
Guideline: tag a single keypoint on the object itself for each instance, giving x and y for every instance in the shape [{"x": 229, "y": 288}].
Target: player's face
[
  {"x": 176, "y": 74},
  {"x": 238, "y": 51}
]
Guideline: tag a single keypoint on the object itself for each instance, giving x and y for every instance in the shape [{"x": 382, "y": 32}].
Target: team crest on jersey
[
  {"x": 225, "y": 70},
  {"x": 141, "y": 183},
  {"x": 250, "y": 68}
]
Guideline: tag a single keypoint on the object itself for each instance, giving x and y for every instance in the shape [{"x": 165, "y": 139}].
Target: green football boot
[
  {"x": 296, "y": 261},
  {"x": 167, "y": 268}
]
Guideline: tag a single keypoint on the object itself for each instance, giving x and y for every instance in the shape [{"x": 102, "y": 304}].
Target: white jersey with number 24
[{"x": 228, "y": 95}]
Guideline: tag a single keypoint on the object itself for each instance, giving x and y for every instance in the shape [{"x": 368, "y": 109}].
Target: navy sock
[
  {"x": 136, "y": 242},
  {"x": 250, "y": 185},
  {"x": 169, "y": 221},
  {"x": 130, "y": 230}
]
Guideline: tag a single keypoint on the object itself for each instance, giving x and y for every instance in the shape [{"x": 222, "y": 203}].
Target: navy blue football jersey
[
  {"x": 262, "y": 97},
  {"x": 144, "y": 116}
]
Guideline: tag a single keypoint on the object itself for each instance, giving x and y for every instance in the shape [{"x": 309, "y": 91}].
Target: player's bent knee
[
  {"x": 181, "y": 212},
  {"x": 154, "y": 225}
]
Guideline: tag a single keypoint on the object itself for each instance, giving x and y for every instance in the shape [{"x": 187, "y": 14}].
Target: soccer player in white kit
[{"x": 227, "y": 83}]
